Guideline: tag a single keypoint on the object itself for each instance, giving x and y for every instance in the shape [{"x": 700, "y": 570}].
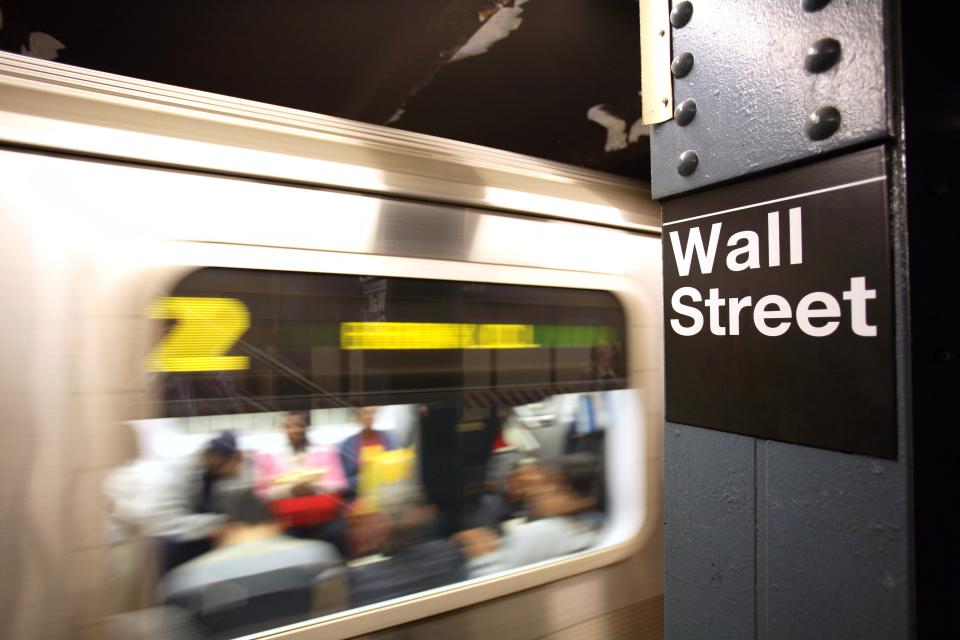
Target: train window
[{"x": 324, "y": 442}]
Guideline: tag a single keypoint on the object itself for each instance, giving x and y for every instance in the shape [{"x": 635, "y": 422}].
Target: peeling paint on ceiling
[
  {"x": 616, "y": 128},
  {"x": 43, "y": 46},
  {"x": 498, "y": 26},
  {"x": 523, "y": 79},
  {"x": 618, "y": 137}
]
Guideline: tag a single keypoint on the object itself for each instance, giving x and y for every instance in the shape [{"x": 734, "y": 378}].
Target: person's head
[
  {"x": 526, "y": 479},
  {"x": 248, "y": 518},
  {"x": 604, "y": 355},
  {"x": 573, "y": 486},
  {"x": 499, "y": 467},
  {"x": 221, "y": 457},
  {"x": 246, "y": 508},
  {"x": 295, "y": 424},
  {"x": 365, "y": 416}
]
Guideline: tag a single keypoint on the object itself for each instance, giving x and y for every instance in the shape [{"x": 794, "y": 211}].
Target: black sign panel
[{"x": 778, "y": 307}]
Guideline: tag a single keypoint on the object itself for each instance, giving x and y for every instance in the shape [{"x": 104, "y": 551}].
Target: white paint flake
[
  {"x": 616, "y": 128},
  {"x": 638, "y": 130},
  {"x": 495, "y": 29},
  {"x": 42, "y": 45}
]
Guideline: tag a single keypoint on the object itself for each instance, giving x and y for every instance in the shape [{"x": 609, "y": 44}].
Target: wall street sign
[{"x": 778, "y": 307}]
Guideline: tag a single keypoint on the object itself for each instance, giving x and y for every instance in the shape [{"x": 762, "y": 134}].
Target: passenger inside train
[
  {"x": 365, "y": 441},
  {"x": 304, "y": 483},
  {"x": 413, "y": 559},
  {"x": 188, "y": 510},
  {"x": 272, "y": 501},
  {"x": 258, "y": 577},
  {"x": 509, "y": 478},
  {"x": 345, "y": 461},
  {"x": 563, "y": 519}
]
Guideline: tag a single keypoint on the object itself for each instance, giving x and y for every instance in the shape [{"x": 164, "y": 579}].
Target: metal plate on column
[
  {"x": 778, "y": 307},
  {"x": 764, "y": 76}
]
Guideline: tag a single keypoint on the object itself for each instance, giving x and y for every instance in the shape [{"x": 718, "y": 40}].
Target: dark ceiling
[{"x": 556, "y": 79}]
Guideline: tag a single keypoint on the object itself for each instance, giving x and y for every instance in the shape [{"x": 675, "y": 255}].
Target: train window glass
[{"x": 324, "y": 442}]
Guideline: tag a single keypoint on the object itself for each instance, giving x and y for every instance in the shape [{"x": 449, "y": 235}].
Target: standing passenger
[
  {"x": 367, "y": 528},
  {"x": 603, "y": 371},
  {"x": 188, "y": 510},
  {"x": 352, "y": 448}
]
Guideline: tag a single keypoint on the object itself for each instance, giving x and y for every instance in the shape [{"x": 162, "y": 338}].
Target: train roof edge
[{"x": 56, "y": 107}]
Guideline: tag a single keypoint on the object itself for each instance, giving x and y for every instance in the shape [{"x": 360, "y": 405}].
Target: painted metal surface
[
  {"x": 831, "y": 532},
  {"x": 709, "y": 546},
  {"x": 832, "y": 546},
  {"x": 829, "y": 538},
  {"x": 755, "y": 94},
  {"x": 771, "y": 540}
]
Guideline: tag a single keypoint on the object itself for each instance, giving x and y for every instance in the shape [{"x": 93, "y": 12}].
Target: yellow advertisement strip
[{"x": 435, "y": 335}]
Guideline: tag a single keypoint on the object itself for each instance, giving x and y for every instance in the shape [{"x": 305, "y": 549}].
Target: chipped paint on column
[{"x": 754, "y": 95}]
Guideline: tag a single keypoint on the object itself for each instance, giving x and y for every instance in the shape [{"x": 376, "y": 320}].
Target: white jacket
[{"x": 535, "y": 542}]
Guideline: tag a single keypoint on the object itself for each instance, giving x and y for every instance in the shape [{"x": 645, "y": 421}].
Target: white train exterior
[{"x": 113, "y": 189}]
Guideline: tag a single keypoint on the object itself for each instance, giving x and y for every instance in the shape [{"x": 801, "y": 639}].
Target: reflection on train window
[{"x": 325, "y": 442}]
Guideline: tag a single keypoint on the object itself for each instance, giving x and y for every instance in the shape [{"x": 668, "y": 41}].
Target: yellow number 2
[{"x": 206, "y": 329}]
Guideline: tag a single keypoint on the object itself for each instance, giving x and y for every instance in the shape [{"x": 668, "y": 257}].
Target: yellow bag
[{"x": 379, "y": 468}]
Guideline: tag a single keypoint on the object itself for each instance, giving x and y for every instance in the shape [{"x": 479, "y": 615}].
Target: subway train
[{"x": 183, "y": 272}]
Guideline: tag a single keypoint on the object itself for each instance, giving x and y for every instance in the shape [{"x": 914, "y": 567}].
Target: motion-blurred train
[{"x": 177, "y": 266}]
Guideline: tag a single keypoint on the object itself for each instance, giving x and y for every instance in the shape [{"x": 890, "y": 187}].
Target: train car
[{"x": 182, "y": 272}]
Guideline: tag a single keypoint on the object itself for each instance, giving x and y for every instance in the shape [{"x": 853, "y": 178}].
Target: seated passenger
[
  {"x": 414, "y": 562},
  {"x": 256, "y": 578},
  {"x": 565, "y": 521},
  {"x": 511, "y": 480},
  {"x": 303, "y": 483},
  {"x": 352, "y": 448},
  {"x": 188, "y": 508},
  {"x": 302, "y": 468}
]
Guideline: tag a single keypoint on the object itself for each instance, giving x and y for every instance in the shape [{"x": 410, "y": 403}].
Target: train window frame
[{"x": 629, "y": 525}]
